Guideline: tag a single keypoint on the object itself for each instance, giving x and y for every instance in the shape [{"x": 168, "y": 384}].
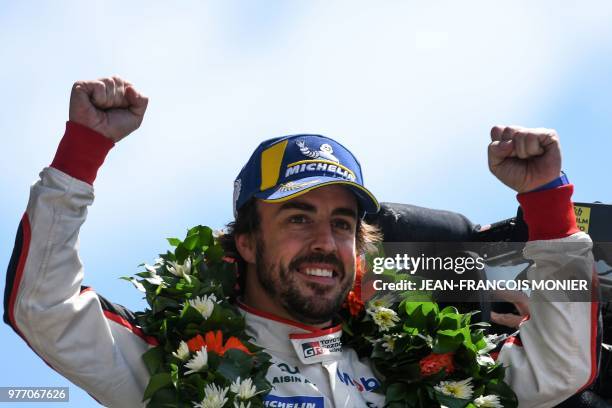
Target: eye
[
  {"x": 342, "y": 225},
  {"x": 298, "y": 219}
]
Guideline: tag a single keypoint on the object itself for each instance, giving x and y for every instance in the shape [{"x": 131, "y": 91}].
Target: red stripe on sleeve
[
  {"x": 514, "y": 340},
  {"x": 136, "y": 330},
  {"x": 549, "y": 214},
  {"x": 81, "y": 152}
]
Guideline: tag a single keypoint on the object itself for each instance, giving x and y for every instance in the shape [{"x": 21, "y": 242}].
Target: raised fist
[
  {"x": 523, "y": 158},
  {"x": 110, "y": 106}
]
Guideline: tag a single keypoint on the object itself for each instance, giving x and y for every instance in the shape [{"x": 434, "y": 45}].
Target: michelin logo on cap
[
  {"x": 322, "y": 160},
  {"x": 325, "y": 151}
]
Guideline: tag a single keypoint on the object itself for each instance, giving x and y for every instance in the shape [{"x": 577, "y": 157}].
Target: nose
[{"x": 323, "y": 239}]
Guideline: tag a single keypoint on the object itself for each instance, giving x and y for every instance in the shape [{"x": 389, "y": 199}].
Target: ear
[{"x": 245, "y": 244}]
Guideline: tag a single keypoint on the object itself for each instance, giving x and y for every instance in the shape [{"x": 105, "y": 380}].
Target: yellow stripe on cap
[{"x": 271, "y": 160}]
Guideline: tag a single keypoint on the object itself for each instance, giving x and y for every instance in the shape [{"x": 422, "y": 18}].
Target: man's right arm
[{"x": 87, "y": 339}]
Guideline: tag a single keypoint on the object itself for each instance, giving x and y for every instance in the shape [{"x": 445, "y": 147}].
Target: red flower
[
  {"x": 433, "y": 363},
  {"x": 353, "y": 301},
  {"x": 234, "y": 343},
  {"x": 195, "y": 343},
  {"x": 214, "y": 343},
  {"x": 355, "y": 305}
]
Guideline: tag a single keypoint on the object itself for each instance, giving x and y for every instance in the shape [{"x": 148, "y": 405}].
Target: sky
[{"x": 412, "y": 88}]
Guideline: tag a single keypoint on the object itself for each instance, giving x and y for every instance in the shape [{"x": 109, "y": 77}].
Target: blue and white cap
[{"x": 286, "y": 167}]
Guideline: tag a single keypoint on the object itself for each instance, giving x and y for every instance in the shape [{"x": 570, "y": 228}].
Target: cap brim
[{"x": 367, "y": 201}]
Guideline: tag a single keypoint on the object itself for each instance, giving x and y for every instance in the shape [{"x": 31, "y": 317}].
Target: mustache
[{"x": 329, "y": 259}]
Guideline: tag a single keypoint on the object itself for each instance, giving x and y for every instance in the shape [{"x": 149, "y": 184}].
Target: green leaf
[
  {"x": 214, "y": 253},
  {"x": 223, "y": 274},
  {"x": 153, "y": 359},
  {"x": 199, "y": 237},
  {"x": 157, "y": 382},
  {"x": 164, "y": 398},
  {"x": 206, "y": 235},
  {"x": 447, "y": 341},
  {"x": 181, "y": 253},
  {"x": 478, "y": 339},
  {"x": 420, "y": 315},
  {"x": 190, "y": 314},
  {"x": 174, "y": 374},
  {"x": 506, "y": 395},
  {"x": 451, "y": 402},
  {"x": 450, "y": 321},
  {"x": 173, "y": 241},
  {"x": 396, "y": 392},
  {"x": 162, "y": 303},
  {"x": 234, "y": 364},
  {"x": 191, "y": 242},
  {"x": 449, "y": 310}
]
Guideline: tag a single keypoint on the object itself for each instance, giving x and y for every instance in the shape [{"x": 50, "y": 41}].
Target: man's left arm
[{"x": 556, "y": 354}]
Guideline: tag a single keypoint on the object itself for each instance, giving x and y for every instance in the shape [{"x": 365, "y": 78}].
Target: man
[{"x": 298, "y": 205}]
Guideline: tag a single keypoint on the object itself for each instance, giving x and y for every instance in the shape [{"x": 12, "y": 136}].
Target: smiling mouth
[
  {"x": 328, "y": 273},
  {"x": 324, "y": 274}
]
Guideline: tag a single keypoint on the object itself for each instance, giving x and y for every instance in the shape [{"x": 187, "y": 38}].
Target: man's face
[{"x": 305, "y": 254}]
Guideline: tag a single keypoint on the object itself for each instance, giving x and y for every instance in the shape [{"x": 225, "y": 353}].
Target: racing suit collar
[{"x": 290, "y": 339}]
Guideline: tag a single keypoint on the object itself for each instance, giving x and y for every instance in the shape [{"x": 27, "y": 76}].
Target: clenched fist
[
  {"x": 523, "y": 158},
  {"x": 110, "y": 106}
]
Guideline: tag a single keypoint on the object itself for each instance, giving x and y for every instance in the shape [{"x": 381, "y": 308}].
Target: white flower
[
  {"x": 459, "y": 389},
  {"x": 214, "y": 397},
  {"x": 389, "y": 342},
  {"x": 242, "y": 404},
  {"x": 182, "y": 353},
  {"x": 205, "y": 305},
  {"x": 198, "y": 361},
  {"x": 245, "y": 389},
  {"x": 484, "y": 360},
  {"x": 154, "y": 278},
  {"x": 383, "y": 301},
  {"x": 384, "y": 318},
  {"x": 491, "y": 340},
  {"x": 488, "y": 401},
  {"x": 180, "y": 270},
  {"x": 159, "y": 261}
]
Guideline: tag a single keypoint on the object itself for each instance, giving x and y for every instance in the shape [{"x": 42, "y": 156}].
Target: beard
[{"x": 311, "y": 309}]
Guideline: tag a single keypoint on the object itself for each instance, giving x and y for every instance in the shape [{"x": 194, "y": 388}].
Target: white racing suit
[{"x": 97, "y": 346}]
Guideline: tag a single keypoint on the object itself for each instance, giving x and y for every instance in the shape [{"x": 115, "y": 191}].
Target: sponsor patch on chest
[
  {"x": 296, "y": 401},
  {"x": 318, "y": 349}
]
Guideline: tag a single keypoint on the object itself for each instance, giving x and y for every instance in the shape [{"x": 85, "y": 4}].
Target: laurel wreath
[{"x": 425, "y": 356}]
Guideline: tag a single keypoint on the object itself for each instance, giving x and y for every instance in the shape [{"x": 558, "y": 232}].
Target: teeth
[{"x": 319, "y": 272}]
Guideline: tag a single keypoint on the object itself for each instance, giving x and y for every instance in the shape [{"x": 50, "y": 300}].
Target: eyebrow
[{"x": 300, "y": 205}]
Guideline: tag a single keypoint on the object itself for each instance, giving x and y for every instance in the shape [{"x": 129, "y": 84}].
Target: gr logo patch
[
  {"x": 312, "y": 349},
  {"x": 297, "y": 401}
]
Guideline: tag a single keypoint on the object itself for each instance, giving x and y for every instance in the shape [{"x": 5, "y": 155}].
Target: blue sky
[{"x": 412, "y": 89}]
